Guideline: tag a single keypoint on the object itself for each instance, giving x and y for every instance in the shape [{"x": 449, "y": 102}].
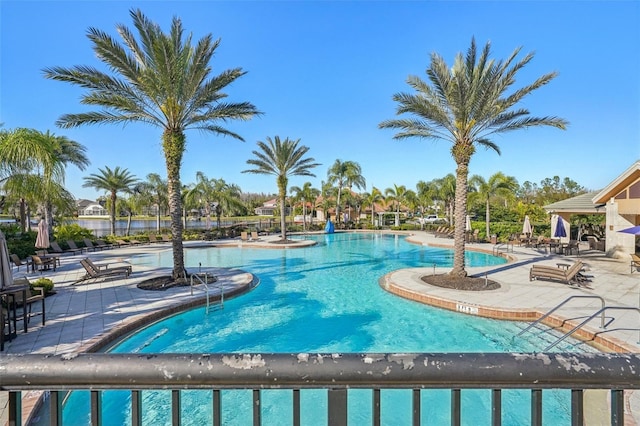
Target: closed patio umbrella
[
  {"x": 42, "y": 239},
  {"x": 6, "y": 278},
  {"x": 560, "y": 232},
  {"x": 526, "y": 226},
  {"x": 467, "y": 225}
]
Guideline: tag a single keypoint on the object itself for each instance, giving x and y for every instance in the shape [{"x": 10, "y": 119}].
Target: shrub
[
  {"x": 71, "y": 231},
  {"x": 45, "y": 283}
]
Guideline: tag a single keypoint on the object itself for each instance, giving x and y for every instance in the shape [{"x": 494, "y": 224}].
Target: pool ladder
[
  {"x": 600, "y": 312},
  {"x": 207, "y": 289}
]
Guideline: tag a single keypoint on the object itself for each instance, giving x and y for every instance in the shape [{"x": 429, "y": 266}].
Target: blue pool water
[{"x": 325, "y": 298}]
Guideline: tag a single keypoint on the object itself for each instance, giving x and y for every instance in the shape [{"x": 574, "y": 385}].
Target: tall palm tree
[
  {"x": 111, "y": 181},
  {"x": 162, "y": 80},
  {"x": 281, "y": 159},
  {"x": 498, "y": 183},
  {"x": 306, "y": 194},
  {"x": 345, "y": 174},
  {"x": 466, "y": 105}
]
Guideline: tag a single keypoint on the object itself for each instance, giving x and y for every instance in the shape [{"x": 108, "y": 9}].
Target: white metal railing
[{"x": 203, "y": 279}]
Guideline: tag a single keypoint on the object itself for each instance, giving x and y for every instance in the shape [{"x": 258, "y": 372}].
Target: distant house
[
  {"x": 90, "y": 208},
  {"x": 268, "y": 208}
]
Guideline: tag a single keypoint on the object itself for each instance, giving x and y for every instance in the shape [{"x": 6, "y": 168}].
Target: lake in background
[{"x": 102, "y": 227}]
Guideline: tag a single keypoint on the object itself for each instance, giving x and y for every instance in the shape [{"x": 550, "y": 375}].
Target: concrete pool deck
[{"x": 80, "y": 317}]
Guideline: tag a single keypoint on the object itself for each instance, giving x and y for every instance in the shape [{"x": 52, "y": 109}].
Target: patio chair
[
  {"x": 570, "y": 247},
  {"x": 244, "y": 236},
  {"x": 16, "y": 261},
  {"x": 556, "y": 274},
  {"x": 72, "y": 245},
  {"x": 90, "y": 246},
  {"x": 55, "y": 247},
  {"x": 34, "y": 295},
  {"x": 254, "y": 236},
  {"x": 93, "y": 273},
  {"x": 105, "y": 267},
  {"x": 635, "y": 262},
  {"x": 103, "y": 245},
  {"x": 154, "y": 239},
  {"x": 42, "y": 264},
  {"x": 166, "y": 238}
]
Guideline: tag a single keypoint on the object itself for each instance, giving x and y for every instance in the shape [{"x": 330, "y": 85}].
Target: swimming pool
[{"x": 326, "y": 298}]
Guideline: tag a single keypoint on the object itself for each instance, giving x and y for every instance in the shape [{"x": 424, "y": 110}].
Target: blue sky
[{"x": 325, "y": 72}]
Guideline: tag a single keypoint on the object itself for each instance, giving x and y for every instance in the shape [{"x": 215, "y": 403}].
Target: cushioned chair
[
  {"x": 34, "y": 295},
  {"x": 42, "y": 264},
  {"x": 16, "y": 261}
]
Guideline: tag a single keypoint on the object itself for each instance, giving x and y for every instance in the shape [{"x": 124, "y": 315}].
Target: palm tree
[
  {"x": 154, "y": 191},
  {"x": 111, "y": 181},
  {"x": 497, "y": 184},
  {"x": 326, "y": 198},
  {"x": 397, "y": 195},
  {"x": 466, "y": 104},
  {"x": 281, "y": 159},
  {"x": 372, "y": 199},
  {"x": 34, "y": 164},
  {"x": 425, "y": 194},
  {"x": 345, "y": 174},
  {"x": 165, "y": 81},
  {"x": 446, "y": 190},
  {"x": 305, "y": 195}
]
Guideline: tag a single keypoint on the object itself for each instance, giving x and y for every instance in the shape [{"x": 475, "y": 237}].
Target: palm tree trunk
[
  {"x": 338, "y": 205},
  {"x": 283, "y": 220},
  {"x": 128, "y": 232},
  {"x": 487, "y": 219},
  {"x": 23, "y": 215},
  {"x": 462, "y": 172},
  {"x": 112, "y": 212},
  {"x": 173, "y": 146}
]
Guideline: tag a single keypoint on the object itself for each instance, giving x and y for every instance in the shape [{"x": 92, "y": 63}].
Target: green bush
[
  {"x": 71, "y": 231},
  {"x": 21, "y": 244},
  {"x": 45, "y": 283}
]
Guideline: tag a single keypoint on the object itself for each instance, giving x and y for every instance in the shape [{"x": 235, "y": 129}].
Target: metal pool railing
[{"x": 336, "y": 373}]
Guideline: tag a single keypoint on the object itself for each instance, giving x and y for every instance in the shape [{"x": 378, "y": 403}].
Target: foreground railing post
[
  {"x": 376, "y": 407},
  {"x": 416, "y": 407},
  {"x": 217, "y": 408},
  {"x": 456, "y": 418},
  {"x": 577, "y": 407},
  {"x": 176, "y": 409},
  {"x": 15, "y": 408},
  {"x": 337, "y": 402},
  {"x": 496, "y": 407},
  {"x": 136, "y": 408},
  {"x": 96, "y": 408},
  {"x": 536, "y": 407},
  {"x": 617, "y": 407},
  {"x": 256, "y": 407}
]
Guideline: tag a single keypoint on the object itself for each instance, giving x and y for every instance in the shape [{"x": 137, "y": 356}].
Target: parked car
[{"x": 431, "y": 218}]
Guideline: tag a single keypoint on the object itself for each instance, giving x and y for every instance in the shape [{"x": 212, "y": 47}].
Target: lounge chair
[
  {"x": 127, "y": 243},
  {"x": 42, "y": 264},
  {"x": 567, "y": 275},
  {"x": 103, "y": 245},
  {"x": 16, "y": 261},
  {"x": 93, "y": 273},
  {"x": 635, "y": 262},
  {"x": 167, "y": 238},
  {"x": 105, "y": 267},
  {"x": 154, "y": 239},
  {"x": 72, "y": 245},
  {"x": 89, "y": 245},
  {"x": 35, "y": 294},
  {"x": 57, "y": 249},
  {"x": 254, "y": 236},
  {"x": 244, "y": 236}
]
